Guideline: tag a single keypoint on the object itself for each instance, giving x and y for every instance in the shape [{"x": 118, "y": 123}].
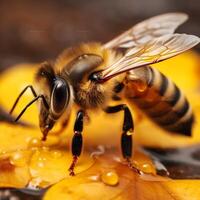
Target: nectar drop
[{"x": 110, "y": 178}]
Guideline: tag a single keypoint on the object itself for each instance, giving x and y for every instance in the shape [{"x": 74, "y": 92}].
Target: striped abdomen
[{"x": 159, "y": 98}]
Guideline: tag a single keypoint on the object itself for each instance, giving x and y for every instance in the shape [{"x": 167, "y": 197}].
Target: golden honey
[
  {"x": 110, "y": 178},
  {"x": 34, "y": 143},
  {"x": 18, "y": 159}
]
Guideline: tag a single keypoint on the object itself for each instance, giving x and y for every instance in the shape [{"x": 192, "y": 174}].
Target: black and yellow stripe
[{"x": 164, "y": 103}]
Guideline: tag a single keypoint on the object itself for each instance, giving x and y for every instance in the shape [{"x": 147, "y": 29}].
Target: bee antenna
[
  {"x": 30, "y": 103},
  {"x": 21, "y": 94}
]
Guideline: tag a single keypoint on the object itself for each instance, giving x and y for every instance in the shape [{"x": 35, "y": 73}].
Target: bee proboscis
[{"x": 92, "y": 74}]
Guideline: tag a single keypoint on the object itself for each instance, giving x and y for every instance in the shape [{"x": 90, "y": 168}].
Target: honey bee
[{"x": 92, "y": 74}]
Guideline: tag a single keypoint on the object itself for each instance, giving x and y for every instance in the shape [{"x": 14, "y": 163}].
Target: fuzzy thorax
[
  {"x": 91, "y": 95},
  {"x": 88, "y": 94}
]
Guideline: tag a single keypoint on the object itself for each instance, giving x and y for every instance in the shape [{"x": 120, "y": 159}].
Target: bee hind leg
[
  {"x": 127, "y": 130},
  {"x": 77, "y": 141}
]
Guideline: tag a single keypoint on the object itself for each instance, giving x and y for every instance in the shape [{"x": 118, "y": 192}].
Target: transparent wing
[
  {"x": 147, "y": 30},
  {"x": 153, "y": 51}
]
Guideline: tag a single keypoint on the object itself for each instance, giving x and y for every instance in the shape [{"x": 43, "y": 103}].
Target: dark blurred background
[{"x": 33, "y": 31}]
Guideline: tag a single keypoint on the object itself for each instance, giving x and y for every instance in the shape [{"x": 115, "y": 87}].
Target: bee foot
[
  {"x": 72, "y": 166},
  {"x": 71, "y": 173},
  {"x": 132, "y": 166},
  {"x": 44, "y": 137}
]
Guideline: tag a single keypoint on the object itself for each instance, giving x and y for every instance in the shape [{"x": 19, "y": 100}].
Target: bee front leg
[
  {"x": 77, "y": 141},
  {"x": 127, "y": 130}
]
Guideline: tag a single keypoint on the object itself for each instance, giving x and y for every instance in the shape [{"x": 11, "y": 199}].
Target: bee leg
[
  {"x": 126, "y": 138},
  {"x": 77, "y": 141},
  {"x": 20, "y": 95}
]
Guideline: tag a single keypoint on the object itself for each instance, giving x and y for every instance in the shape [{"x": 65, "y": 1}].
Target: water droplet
[
  {"x": 42, "y": 158},
  {"x": 147, "y": 168},
  {"x": 18, "y": 159},
  {"x": 56, "y": 154},
  {"x": 34, "y": 142},
  {"x": 110, "y": 178},
  {"x": 40, "y": 164}
]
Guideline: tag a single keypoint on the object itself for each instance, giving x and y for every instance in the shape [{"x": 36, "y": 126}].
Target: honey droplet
[
  {"x": 42, "y": 160},
  {"x": 34, "y": 142},
  {"x": 110, "y": 178},
  {"x": 40, "y": 164},
  {"x": 56, "y": 154},
  {"x": 18, "y": 159},
  {"x": 147, "y": 168}
]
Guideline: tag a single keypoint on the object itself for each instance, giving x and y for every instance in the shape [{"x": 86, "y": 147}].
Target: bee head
[{"x": 58, "y": 98}]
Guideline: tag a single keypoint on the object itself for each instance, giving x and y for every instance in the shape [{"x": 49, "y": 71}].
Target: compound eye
[{"x": 60, "y": 97}]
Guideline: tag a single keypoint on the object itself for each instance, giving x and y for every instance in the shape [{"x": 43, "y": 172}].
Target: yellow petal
[
  {"x": 90, "y": 184},
  {"x": 14, "y": 171},
  {"x": 14, "y": 137},
  {"x": 12, "y": 82},
  {"x": 50, "y": 166}
]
